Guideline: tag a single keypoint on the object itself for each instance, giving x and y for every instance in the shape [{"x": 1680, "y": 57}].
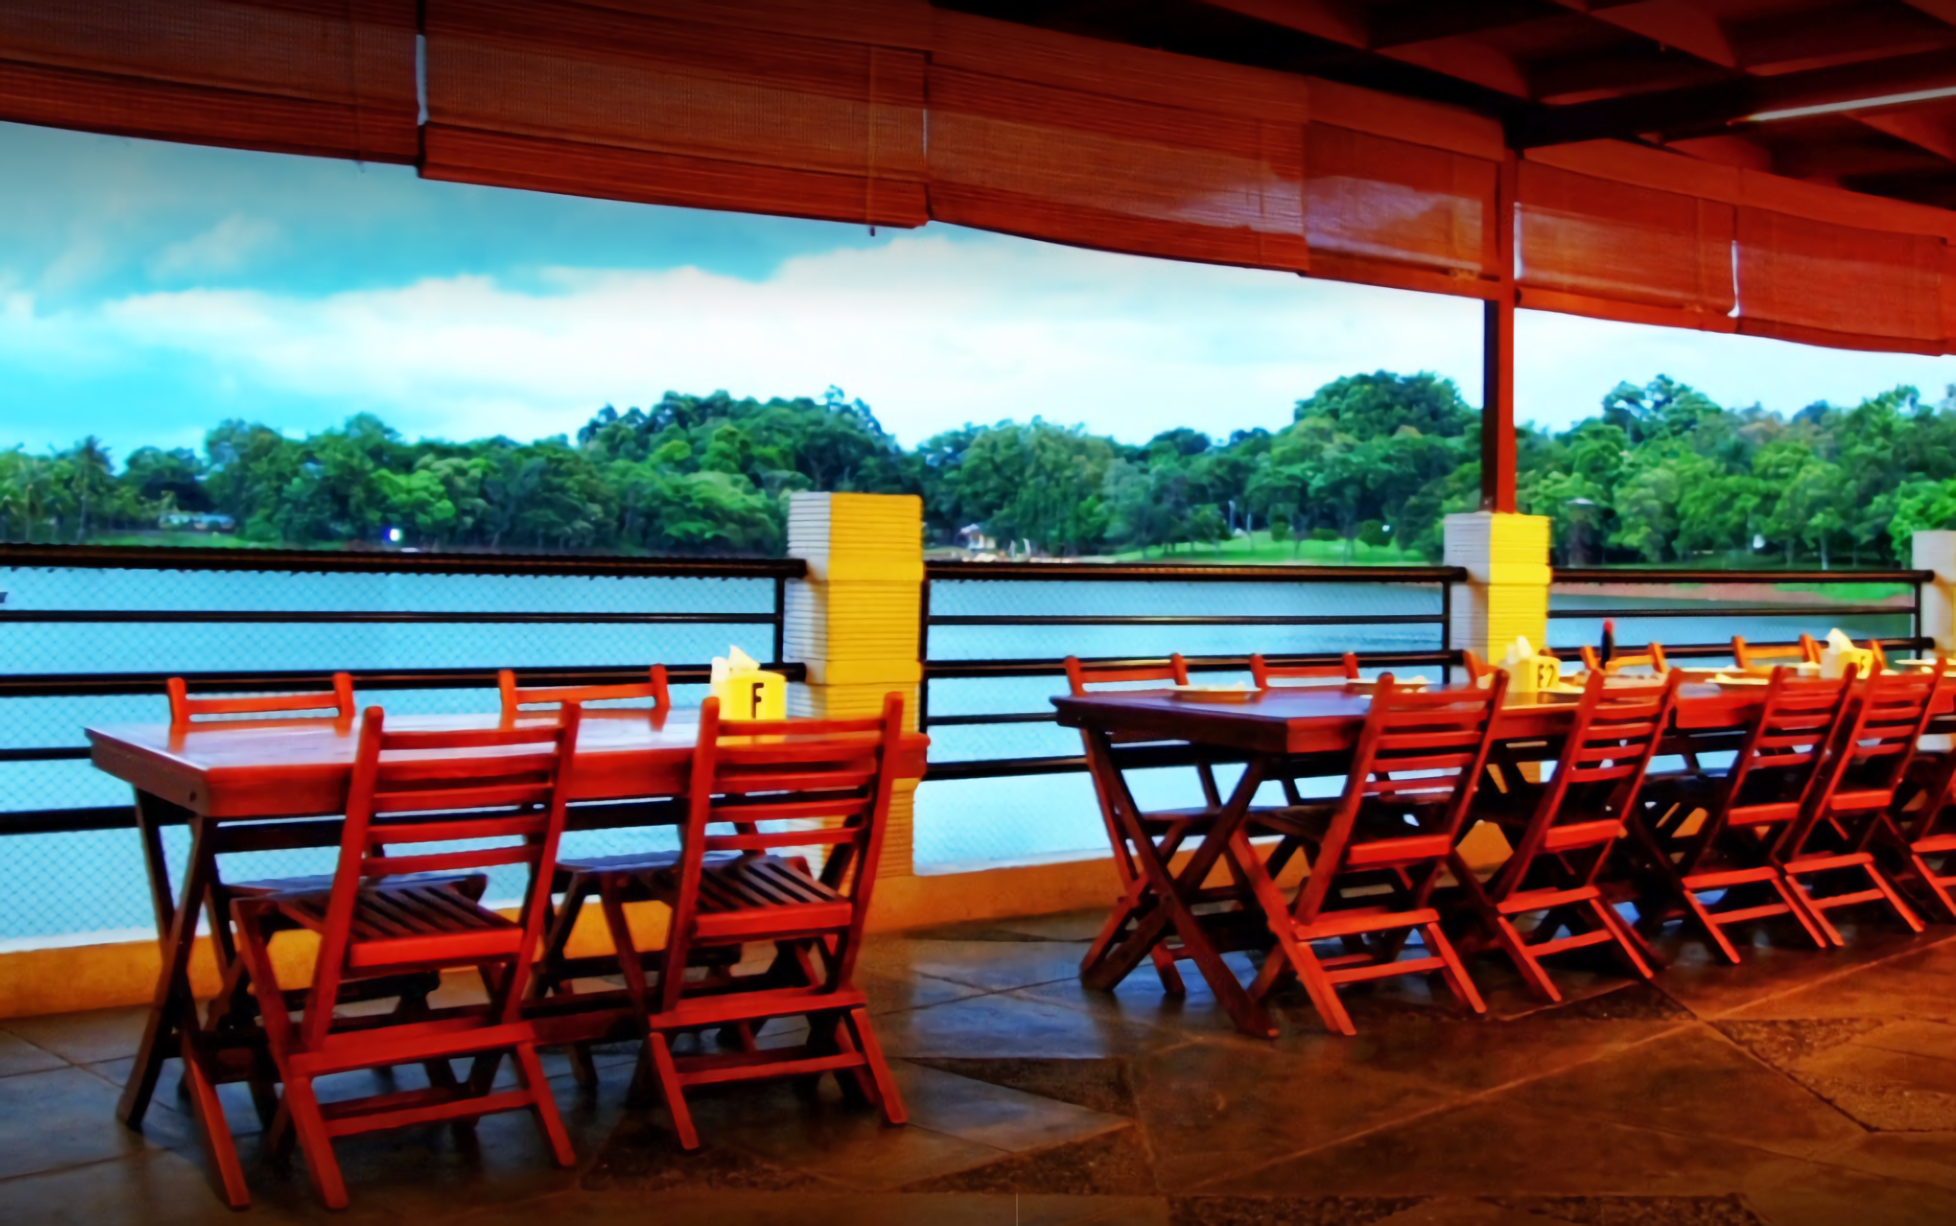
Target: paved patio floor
[{"x": 1800, "y": 1088}]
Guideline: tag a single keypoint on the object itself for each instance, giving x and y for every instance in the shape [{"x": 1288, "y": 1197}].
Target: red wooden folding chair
[
  {"x": 616, "y": 880},
  {"x": 1829, "y": 851},
  {"x": 1564, "y": 844},
  {"x": 1752, "y": 658},
  {"x": 233, "y": 1001},
  {"x": 1379, "y": 851},
  {"x": 1715, "y": 835},
  {"x": 1169, "y": 828},
  {"x": 829, "y": 782},
  {"x": 500, "y": 789},
  {"x": 1651, "y": 657},
  {"x": 1920, "y": 830}
]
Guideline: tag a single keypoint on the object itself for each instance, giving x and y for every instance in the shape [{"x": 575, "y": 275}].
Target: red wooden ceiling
[{"x": 1679, "y": 73}]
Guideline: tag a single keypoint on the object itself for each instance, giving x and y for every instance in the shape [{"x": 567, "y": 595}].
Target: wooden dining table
[
  {"x": 281, "y": 783},
  {"x": 1264, "y": 730}
]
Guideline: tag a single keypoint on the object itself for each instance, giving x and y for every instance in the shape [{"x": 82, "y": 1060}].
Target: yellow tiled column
[
  {"x": 1506, "y": 558},
  {"x": 1935, "y": 550},
  {"x": 854, "y": 621}
]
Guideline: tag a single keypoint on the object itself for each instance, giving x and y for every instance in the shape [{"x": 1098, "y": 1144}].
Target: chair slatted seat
[
  {"x": 1833, "y": 843},
  {"x": 1378, "y": 853},
  {"x": 1564, "y": 845},
  {"x": 1740, "y": 818},
  {"x": 822, "y": 783},
  {"x": 420, "y": 802}
]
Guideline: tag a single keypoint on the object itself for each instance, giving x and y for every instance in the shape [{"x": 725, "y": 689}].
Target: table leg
[
  {"x": 173, "y": 1019},
  {"x": 1169, "y": 892}
]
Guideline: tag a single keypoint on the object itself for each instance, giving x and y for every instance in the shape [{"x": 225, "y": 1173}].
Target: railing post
[
  {"x": 854, "y": 621},
  {"x": 1506, "y": 558},
  {"x": 1935, "y": 618}
]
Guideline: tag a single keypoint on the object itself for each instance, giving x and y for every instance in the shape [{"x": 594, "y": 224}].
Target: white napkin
[{"x": 735, "y": 661}]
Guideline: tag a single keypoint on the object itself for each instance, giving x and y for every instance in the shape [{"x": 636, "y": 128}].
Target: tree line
[{"x": 1660, "y": 474}]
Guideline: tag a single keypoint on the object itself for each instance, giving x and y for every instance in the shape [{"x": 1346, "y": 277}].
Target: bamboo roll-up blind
[
  {"x": 590, "y": 100},
  {"x": 1824, "y": 283},
  {"x": 334, "y": 78},
  {"x": 1115, "y": 147},
  {"x": 1590, "y": 246},
  {"x": 1379, "y": 207}
]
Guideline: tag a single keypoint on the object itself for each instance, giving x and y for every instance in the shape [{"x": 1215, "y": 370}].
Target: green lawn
[{"x": 1259, "y": 549}]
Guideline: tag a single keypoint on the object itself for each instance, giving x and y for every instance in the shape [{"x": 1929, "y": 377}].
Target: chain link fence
[{"x": 90, "y": 645}]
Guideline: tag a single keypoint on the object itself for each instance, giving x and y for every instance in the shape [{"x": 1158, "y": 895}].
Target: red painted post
[{"x": 1498, "y": 357}]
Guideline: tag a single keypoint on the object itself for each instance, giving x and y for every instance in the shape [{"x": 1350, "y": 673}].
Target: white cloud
[
  {"x": 933, "y": 329},
  {"x": 219, "y": 251}
]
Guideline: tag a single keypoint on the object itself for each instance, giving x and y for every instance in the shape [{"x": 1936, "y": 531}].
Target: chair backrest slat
[
  {"x": 1262, "y": 672},
  {"x": 334, "y": 703},
  {"x": 1651, "y": 657},
  {"x": 1082, "y": 679},
  {"x": 1753, "y": 657},
  {"x": 515, "y": 697}
]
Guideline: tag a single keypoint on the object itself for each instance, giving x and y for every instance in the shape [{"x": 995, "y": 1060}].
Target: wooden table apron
[
  {"x": 1274, "y": 726},
  {"x": 218, "y": 775}
]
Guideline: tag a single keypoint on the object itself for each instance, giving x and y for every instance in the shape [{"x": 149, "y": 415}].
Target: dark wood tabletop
[
  {"x": 265, "y": 768},
  {"x": 1327, "y": 719}
]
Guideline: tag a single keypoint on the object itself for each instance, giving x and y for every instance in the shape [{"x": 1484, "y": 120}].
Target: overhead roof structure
[
  {"x": 1859, "y": 94},
  {"x": 1780, "y": 168}
]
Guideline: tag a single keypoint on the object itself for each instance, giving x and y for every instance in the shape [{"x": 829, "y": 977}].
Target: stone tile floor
[{"x": 1800, "y": 1088}]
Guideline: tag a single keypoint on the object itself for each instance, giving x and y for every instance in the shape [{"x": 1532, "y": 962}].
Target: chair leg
[
  {"x": 675, "y": 1093},
  {"x": 544, "y": 1105},
  {"x": 1530, "y": 967},
  {"x": 1294, "y": 955},
  {"x": 1889, "y": 894},
  {"x": 1716, "y": 934},
  {"x": 1629, "y": 943},
  {"x": 879, "y": 1069},
  {"x": 310, "y": 1125},
  {"x": 1805, "y": 908},
  {"x": 1933, "y": 886},
  {"x": 1455, "y": 973}
]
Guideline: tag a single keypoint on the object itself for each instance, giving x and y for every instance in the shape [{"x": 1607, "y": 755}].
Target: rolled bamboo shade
[
  {"x": 1115, "y": 147},
  {"x": 1379, "y": 208},
  {"x": 1590, "y": 246},
  {"x": 1824, "y": 283},
  {"x": 328, "y": 77},
  {"x": 592, "y": 100}
]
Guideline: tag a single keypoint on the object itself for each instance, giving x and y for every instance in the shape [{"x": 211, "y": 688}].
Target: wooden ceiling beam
[
  {"x": 1677, "y": 24},
  {"x": 1338, "y": 21},
  {"x": 1840, "y": 34},
  {"x": 1709, "y": 108},
  {"x": 1931, "y": 129},
  {"x": 1406, "y": 22}
]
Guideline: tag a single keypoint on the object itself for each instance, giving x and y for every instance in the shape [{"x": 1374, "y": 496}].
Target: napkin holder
[
  {"x": 1533, "y": 674},
  {"x": 750, "y": 694}
]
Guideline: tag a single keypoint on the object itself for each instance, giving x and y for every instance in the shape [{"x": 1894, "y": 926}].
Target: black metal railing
[
  {"x": 937, "y": 668},
  {"x": 1908, "y": 603},
  {"x": 108, "y": 684}
]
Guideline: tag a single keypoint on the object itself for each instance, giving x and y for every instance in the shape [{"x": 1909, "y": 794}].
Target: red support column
[{"x": 1498, "y": 358}]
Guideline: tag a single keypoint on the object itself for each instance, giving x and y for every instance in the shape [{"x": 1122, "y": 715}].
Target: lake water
[{"x": 64, "y": 886}]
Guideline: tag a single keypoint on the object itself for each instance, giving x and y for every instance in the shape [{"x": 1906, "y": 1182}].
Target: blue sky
[{"x": 148, "y": 291}]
